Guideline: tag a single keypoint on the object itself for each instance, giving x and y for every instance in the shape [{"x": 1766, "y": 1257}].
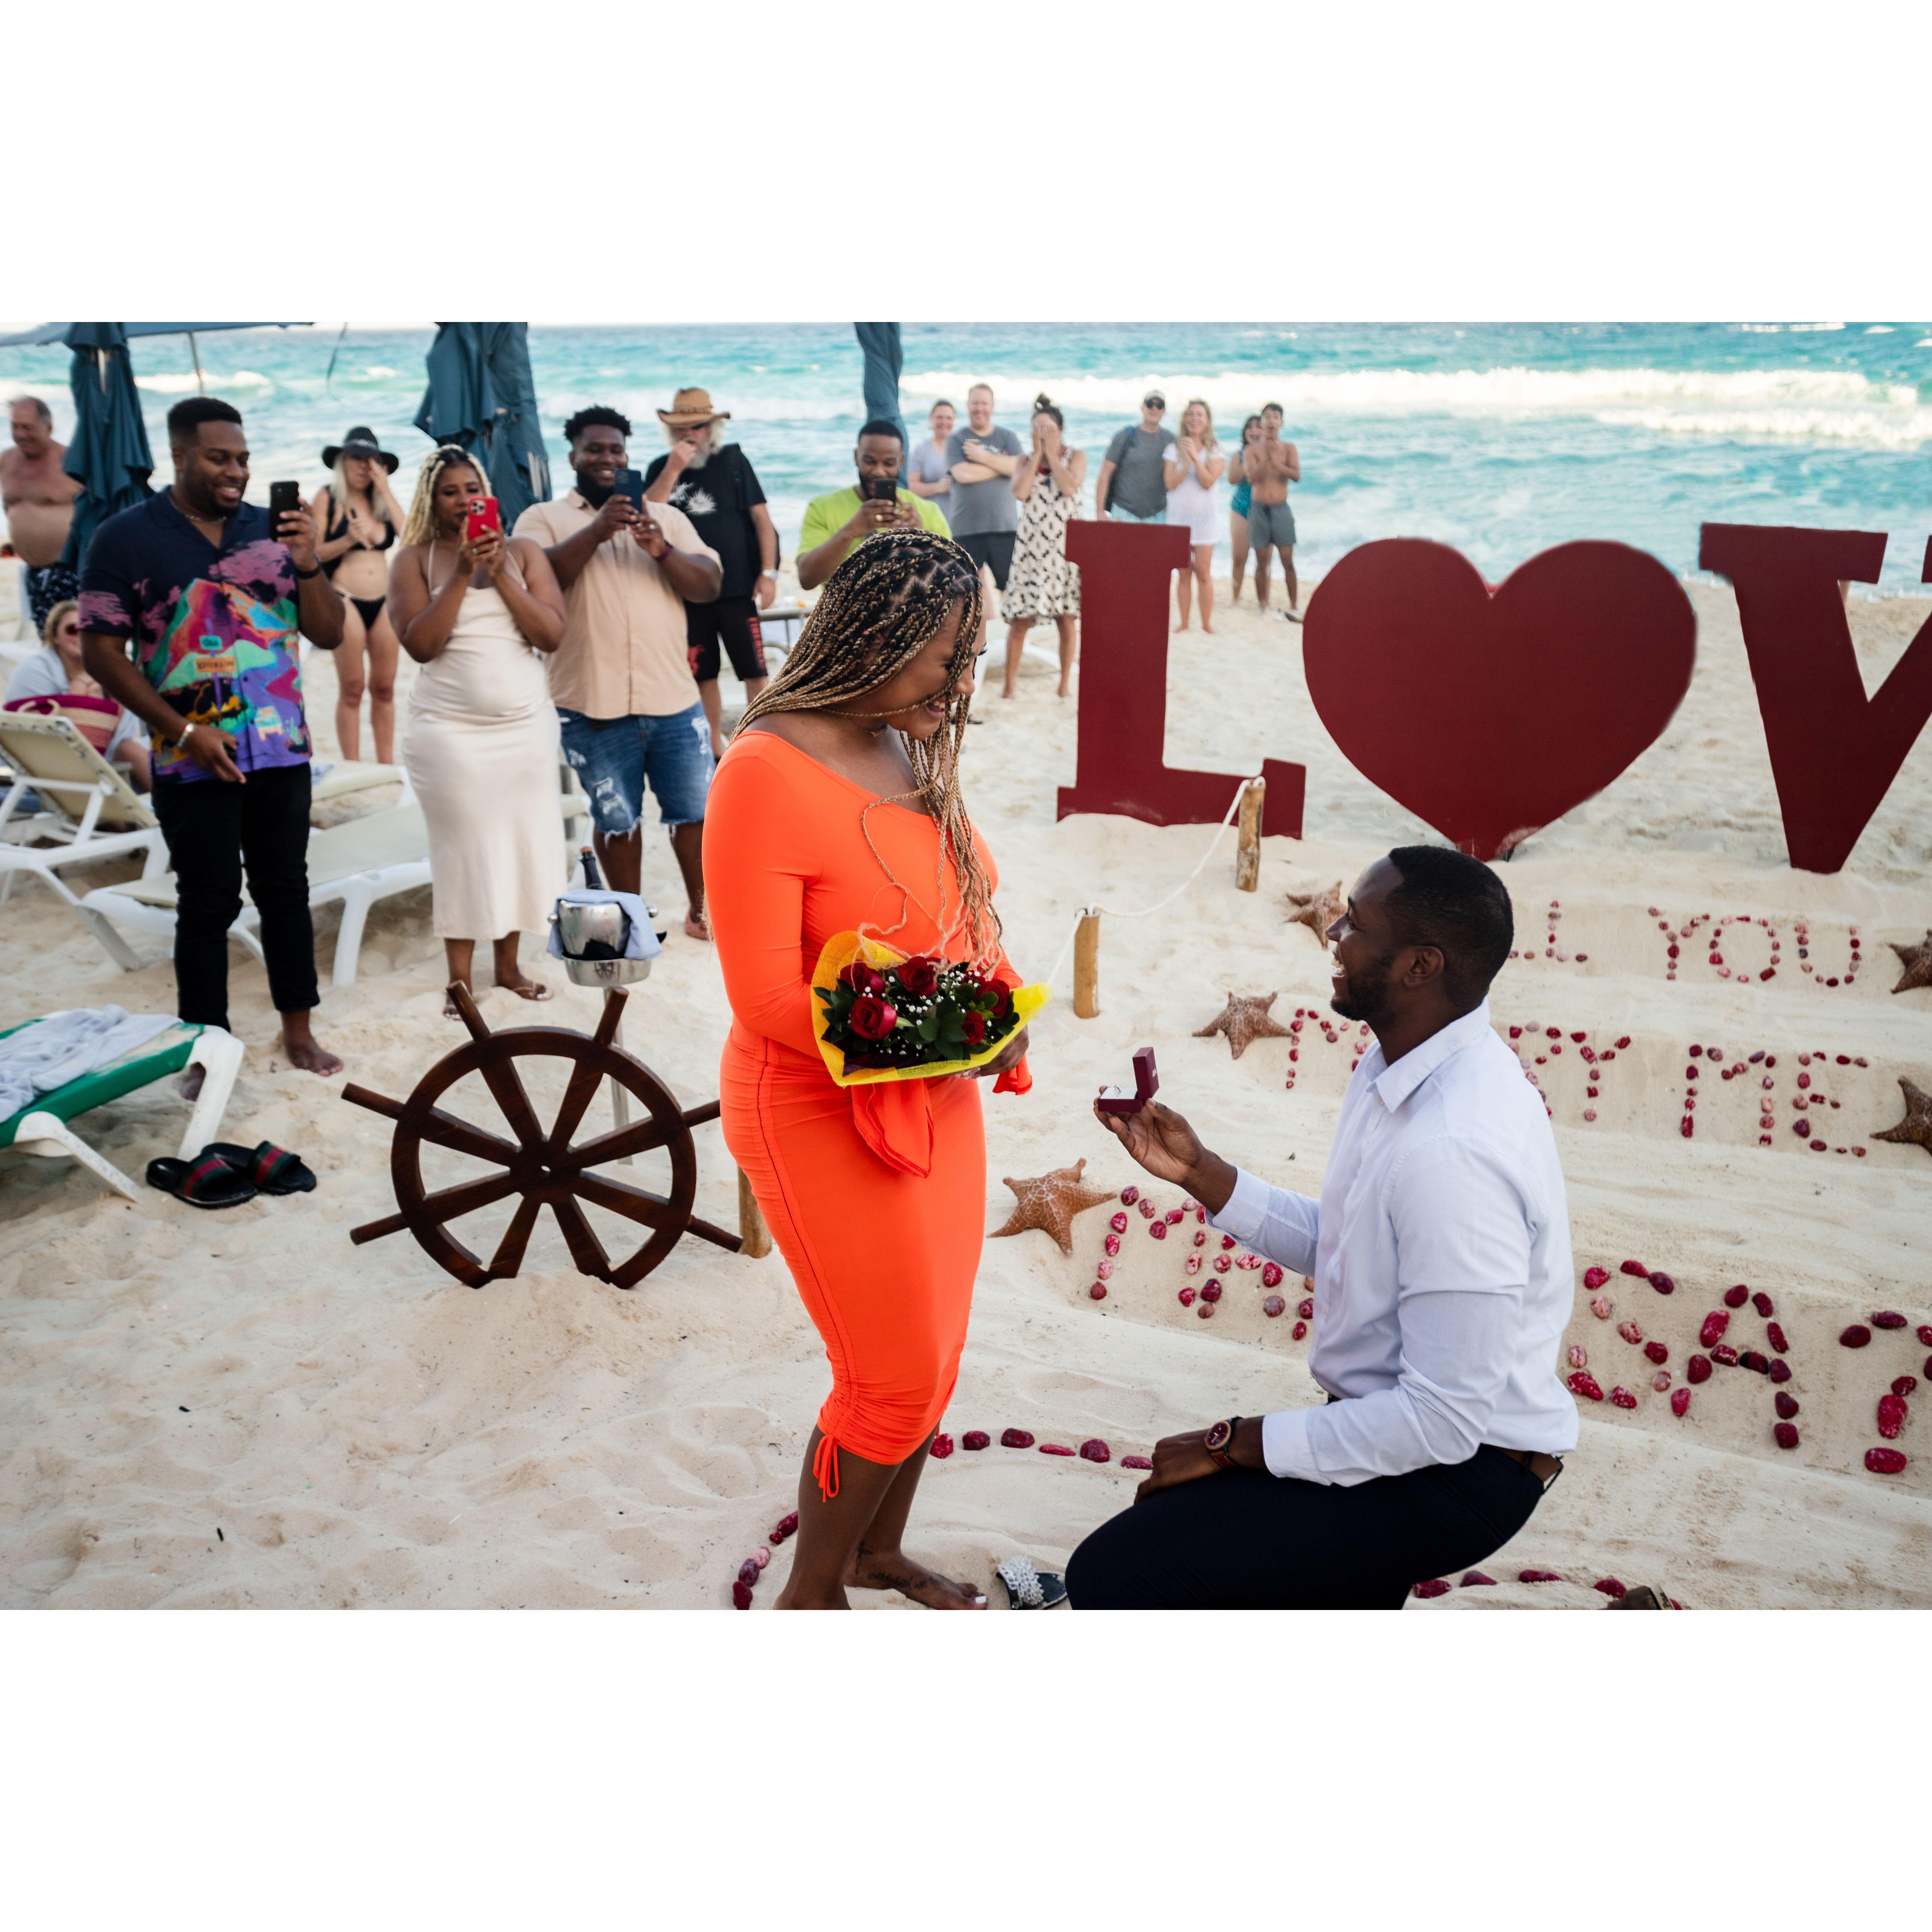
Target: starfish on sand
[
  {"x": 1244, "y": 1019},
  {"x": 1049, "y": 1202},
  {"x": 1917, "y": 961},
  {"x": 1318, "y": 911},
  {"x": 1916, "y": 1129}
]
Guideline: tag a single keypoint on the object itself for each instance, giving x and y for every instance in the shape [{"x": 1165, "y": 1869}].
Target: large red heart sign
[{"x": 1491, "y": 714}]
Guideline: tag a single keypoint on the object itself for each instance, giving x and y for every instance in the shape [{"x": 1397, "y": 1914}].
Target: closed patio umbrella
[
  {"x": 879, "y": 342},
  {"x": 481, "y": 395},
  {"x": 109, "y": 456}
]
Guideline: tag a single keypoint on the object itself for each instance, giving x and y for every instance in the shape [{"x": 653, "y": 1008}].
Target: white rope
[{"x": 1147, "y": 911}]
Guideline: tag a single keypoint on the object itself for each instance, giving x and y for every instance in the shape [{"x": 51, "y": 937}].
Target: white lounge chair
[
  {"x": 88, "y": 811},
  {"x": 370, "y": 858},
  {"x": 373, "y": 857},
  {"x": 87, "y": 808},
  {"x": 42, "y": 1128}
]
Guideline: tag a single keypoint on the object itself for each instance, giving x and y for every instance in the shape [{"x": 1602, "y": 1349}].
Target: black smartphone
[
  {"x": 878, "y": 489},
  {"x": 284, "y": 500},
  {"x": 630, "y": 485}
]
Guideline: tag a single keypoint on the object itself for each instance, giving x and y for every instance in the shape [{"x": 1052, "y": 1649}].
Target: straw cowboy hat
[
  {"x": 691, "y": 407},
  {"x": 360, "y": 442}
]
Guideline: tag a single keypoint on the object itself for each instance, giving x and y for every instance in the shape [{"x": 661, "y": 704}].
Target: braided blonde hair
[
  {"x": 419, "y": 526},
  {"x": 879, "y": 610}
]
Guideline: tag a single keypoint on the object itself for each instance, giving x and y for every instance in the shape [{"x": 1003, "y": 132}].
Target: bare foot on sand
[
  {"x": 304, "y": 1050},
  {"x": 696, "y": 926},
  {"x": 893, "y": 1570}
]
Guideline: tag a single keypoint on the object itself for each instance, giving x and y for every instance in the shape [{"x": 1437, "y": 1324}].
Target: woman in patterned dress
[{"x": 1041, "y": 583}]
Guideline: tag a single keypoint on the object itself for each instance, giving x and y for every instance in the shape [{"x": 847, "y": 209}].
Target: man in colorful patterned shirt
[{"x": 215, "y": 603}]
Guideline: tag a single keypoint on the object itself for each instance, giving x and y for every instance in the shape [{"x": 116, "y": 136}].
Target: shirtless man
[
  {"x": 39, "y": 498},
  {"x": 1271, "y": 466}
]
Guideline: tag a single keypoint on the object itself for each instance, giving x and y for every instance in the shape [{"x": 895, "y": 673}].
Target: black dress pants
[
  {"x": 1243, "y": 1540},
  {"x": 213, "y": 829}
]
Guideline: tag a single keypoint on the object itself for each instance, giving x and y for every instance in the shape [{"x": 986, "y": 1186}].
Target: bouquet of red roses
[{"x": 883, "y": 1015}]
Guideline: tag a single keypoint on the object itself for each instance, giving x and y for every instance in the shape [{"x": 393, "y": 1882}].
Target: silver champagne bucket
[{"x": 602, "y": 929}]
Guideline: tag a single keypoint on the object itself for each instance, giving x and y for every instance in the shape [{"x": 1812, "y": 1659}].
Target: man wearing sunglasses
[{"x": 1132, "y": 487}]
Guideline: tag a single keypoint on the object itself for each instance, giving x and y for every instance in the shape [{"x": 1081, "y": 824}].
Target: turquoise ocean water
[{"x": 1501, "y": 439}]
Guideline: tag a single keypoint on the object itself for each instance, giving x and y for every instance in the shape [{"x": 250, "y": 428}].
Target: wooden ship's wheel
[{"x": 548, "y": 1169}]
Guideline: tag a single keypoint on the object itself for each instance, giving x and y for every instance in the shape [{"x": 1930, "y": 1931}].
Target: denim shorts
[{"x": 614, "y": 757}]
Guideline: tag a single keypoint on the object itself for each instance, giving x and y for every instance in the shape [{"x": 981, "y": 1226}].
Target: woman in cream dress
[{"x": 482, "y": 748}]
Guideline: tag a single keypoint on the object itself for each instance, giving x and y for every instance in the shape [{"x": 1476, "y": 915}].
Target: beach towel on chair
[{"x": 48, "y": 1053}]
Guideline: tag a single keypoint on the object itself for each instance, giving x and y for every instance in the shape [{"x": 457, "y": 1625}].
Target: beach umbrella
[
  {"x": 481, "y": 394},
  {"x": 109, "y": 455},
  {"x": 879, "y": 342}
]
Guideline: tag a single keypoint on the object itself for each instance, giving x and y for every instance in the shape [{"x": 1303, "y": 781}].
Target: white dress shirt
[{"x": 1440, "y": 1250}]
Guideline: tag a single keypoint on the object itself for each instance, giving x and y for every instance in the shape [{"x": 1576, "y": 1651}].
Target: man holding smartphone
[
  {"x": 838, "y": 522},
  {"x": 215, "y": 596},
  {"x": 621, "y": 678}
]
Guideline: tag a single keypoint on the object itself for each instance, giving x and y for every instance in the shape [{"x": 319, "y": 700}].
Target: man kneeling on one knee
[{"x": 1440, "y": 1252}]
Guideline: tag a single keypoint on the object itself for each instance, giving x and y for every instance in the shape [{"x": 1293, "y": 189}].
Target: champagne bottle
[{"x": 591, "y": 876}]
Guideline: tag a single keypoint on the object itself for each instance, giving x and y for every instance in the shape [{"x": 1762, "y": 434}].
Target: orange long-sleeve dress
[{"x": 875, "y": 1194}]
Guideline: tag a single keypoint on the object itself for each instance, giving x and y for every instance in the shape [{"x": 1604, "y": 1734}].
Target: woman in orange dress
[{"x": 838, "y": 808}]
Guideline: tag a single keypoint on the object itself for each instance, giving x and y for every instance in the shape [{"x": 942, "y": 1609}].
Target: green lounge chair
[{"x": 42, "y": 1128}]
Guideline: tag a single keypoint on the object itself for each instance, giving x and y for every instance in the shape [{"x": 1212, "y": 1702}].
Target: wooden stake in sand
[
  {"x": 1086, "y": 967},
  {"x": 1248, "y": 847},
  {"x": 752, "y": 1232}
]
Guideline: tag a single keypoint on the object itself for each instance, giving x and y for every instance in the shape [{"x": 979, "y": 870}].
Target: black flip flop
[
  {"x": 207, "y": 1181},
  {"x": 272, "y": 1169}
]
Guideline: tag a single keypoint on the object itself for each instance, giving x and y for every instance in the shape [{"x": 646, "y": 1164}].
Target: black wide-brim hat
[{"x": 360, "y": 442}]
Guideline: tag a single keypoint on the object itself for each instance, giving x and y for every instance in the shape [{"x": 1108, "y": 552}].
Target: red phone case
[{"x": 489, "y": 517}]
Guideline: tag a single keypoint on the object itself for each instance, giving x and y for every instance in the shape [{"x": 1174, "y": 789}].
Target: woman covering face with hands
[{"x": 1048, "y": 481}]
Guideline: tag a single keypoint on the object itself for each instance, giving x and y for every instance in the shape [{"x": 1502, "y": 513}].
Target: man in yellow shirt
[{"x": 835, "y": 523}]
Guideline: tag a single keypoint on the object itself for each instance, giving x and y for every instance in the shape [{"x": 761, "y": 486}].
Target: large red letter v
[
  {"x": 1124, "y": 569},
  {"x": 1834, "y": 751}
]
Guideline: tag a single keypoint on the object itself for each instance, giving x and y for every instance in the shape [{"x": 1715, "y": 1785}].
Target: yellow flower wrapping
[{"x": 845, "y": 949}]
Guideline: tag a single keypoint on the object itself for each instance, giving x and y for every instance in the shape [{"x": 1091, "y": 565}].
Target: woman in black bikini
[{"x": 359, "y": 517}]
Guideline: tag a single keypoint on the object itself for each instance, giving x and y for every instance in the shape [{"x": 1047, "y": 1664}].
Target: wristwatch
[
  {"x": 772, "y": 574},
  {"x": 1220, "y": 1442}
]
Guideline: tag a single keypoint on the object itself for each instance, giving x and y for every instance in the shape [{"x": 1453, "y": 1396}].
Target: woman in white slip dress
[
  {"x": 1193, "y": 466},
  {"x": 478, "y": 614},
  {"x": 1041, "y": 583}
]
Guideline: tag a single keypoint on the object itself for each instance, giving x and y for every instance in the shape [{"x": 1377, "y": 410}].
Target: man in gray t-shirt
[
  {"x": 1134, "y": 471},
  {"x": 984, "y": 512}
]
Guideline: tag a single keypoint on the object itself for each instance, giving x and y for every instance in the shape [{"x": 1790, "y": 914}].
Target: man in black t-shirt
[{"x": 712, "y": 482}]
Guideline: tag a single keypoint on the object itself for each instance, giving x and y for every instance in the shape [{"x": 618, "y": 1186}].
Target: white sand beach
[{"x": 363, "y": 1431}]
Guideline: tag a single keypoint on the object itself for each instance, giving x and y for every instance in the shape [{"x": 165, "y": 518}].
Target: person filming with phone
[
  {"x": 626, "y": 698},
  {"x": 214, "y": 596},
  {"x": 481, "y": 614},
  {"x": 838, "y": 522},
  {"x": 1442, "y": 1281}
]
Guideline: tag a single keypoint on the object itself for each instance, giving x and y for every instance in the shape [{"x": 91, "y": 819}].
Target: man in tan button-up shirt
[{"x": 621, "y": 679}]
